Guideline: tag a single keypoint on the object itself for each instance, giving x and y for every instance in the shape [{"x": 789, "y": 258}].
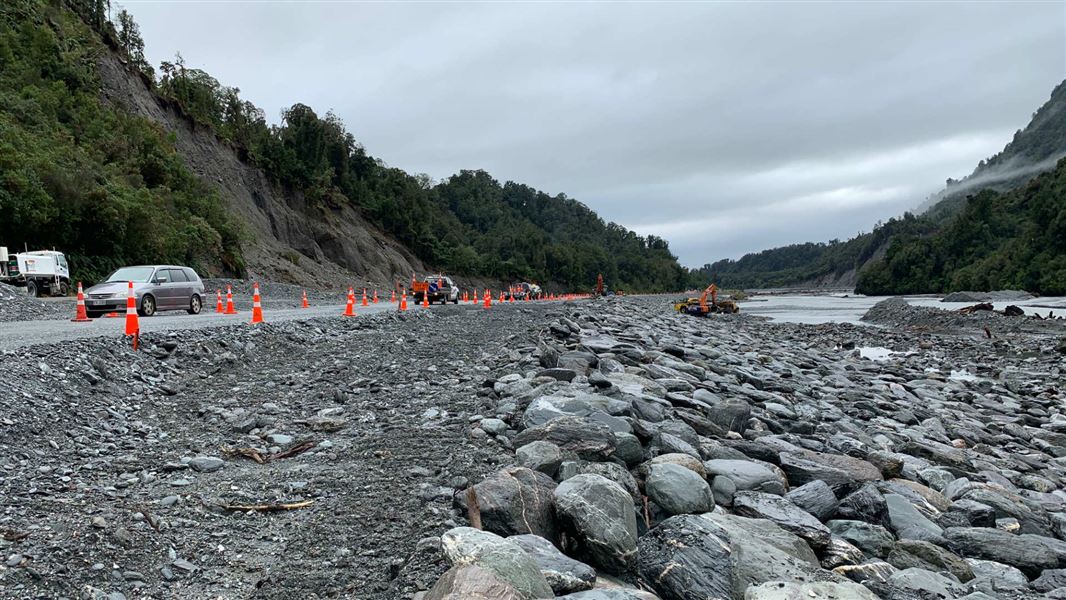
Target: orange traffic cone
[
  {"x": 218, "y": 302},
  {"x": 257, "y": 307},
  {"x": 375, "y": 296},
  {"x": 403, "y": 300},
  {"x": 425, "y": 298},
  {"x": 393, "y": 296},
  {"x": 349, "y": 309},
  {"x": 488, "y": 299},
  {"x": 511, "y": 297},
  {"x": 229, "y": 301},
  {"x": 305, "y": 304},
  {"x": 133, "y": 326},
  {"x": 112, "y": 315},
  {"x": 365, "y": 303},
  {"x": 80, "y": 316}
]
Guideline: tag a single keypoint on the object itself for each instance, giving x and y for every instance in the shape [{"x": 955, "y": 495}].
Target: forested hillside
[
  {"x": 1033, "y": 150},
  {"x": 110, "y": 187},
  {"x": 1014, "y": 240}
]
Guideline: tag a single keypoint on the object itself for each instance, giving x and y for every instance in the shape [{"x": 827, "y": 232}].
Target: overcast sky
[{"x": 723, "y": 127}]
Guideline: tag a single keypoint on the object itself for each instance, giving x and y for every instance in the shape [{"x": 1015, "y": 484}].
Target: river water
[{"x": 812, "y": 308}]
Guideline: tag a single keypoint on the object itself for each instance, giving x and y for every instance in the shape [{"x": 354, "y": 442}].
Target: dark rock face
[
  {"x": 865, "y": 504},
  {"x": 599, "y": 517},
  {"x": 586, "y": 438},
  {"x": 871, "y": 539},
  {"x": 1032, "y": 554},
  {"x": 924, "y": 555},
  {"x": 786, "y": 515},
  {"x": 514, "y": 501},
  {"x": 687, "y": 556},
  {"x": 815, "y": 497},
  {"x": 842, "y": 473}
]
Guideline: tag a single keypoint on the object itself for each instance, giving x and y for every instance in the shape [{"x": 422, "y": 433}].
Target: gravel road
[{"x": 19, "y": 334}]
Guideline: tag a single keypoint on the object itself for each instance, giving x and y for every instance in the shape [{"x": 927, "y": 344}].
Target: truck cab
[{"x": 40, "y": 271}]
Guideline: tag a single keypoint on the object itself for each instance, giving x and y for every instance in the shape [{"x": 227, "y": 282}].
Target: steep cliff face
[{"x": 287, "y": 238}]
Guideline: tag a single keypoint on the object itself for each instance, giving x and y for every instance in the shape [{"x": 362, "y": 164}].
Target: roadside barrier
[
  {"x": 133, "y": 326},
  {"x": 257, "y": 306},
  {"x": 80, "y": 316}
]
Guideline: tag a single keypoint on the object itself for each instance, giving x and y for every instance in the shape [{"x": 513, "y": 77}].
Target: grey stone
[
  {"x": 786, "y": 515},
  {"x": 564, "y": 574},
  {"x": 1031, "y": 554},
  {"x": 815, "y": 497},
  {"x": 908, "y": 523},
  {"x": 925, "y": 555},
  {"x": 515, "y": 500},
  {"x": 601, "y": 521},
  {"x": 471, "y": 582},
  {"x": 544, "y": 457},
  {"x": 871, "y": 539},
  {"x": 504, "y": 558},
  {"x": 585, "y": 438},
  {"x": 206, "y": 464},
  {"x": 678, "y": 490},
  {"x": 493, "y": 426},
  {"x": 782, "y": 590}
]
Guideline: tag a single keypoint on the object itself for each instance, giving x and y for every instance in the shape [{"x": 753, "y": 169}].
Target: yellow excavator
[{"x": 699, "y": 307}]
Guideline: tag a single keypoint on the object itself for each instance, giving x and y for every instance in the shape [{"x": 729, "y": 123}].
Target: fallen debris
[
  {"x": 268, "y": 507},
  {"x": 257, "y": 456}
]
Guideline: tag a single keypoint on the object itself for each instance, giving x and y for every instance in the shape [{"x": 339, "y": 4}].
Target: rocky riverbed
[
  {"x": 606, "y": 449},
  {"x": 660, "y": 456}
]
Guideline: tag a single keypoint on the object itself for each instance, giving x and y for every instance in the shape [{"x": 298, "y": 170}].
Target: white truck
[{"x": 40, "y": 271}]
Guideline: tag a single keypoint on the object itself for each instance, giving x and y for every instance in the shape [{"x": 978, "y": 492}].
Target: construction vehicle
[
  {"x": 700, "y": 307},
  {"x": 525, "y": 291},
  {"x": 439, "y": 288},
  {"x": 38, "y": 271}
]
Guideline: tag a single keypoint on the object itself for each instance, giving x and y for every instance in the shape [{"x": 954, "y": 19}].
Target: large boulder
[
  {"x": 678, "y": 490},
  {"x": 842, "y": 473},
  {"x": 788, "y": 516},
  {"x": 742, "y": 475},
  {"x": 922, "y": 583},
  {"x": 687, "y": 556},
  {"x": 731, "y": 414},
  {"x": 544, "y": 457},
  {"x": 1032, "y": 554},
  {"x": 564, "y": 574},
  {"x": 599, "y": 516},
  {"x": 720, "y": 556},
  {"x": 908, "y": 523},
  {"x": 871, "y": 539},
  {"x": 504, "y": 558},
  {"x": 470, "y": 582},
  {"x": 515, "y": 500},
  {"x": 925, "y": 555},
  {"x": 584, "y": 437},
  {"x": 865, "y": 504},
  {"x": 815, "y": 497},
  {"x": 781, "y": 590}
]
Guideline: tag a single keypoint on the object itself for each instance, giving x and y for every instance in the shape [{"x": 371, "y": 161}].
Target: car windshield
[{"x": 138, "y": 274}]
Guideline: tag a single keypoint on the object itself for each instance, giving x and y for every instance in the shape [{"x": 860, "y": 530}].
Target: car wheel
[
  {"x": 147, "y": 308},
  {"x": 195, "y": 305},
  {"x": 456, "y": 299},
  {"x": 31, "y": 289}
]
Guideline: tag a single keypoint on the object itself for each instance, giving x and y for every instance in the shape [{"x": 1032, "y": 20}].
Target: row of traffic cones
[{"x": 133, "y": 328}]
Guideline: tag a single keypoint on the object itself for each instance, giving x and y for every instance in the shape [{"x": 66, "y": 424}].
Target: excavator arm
[{"x": 712, "y": 291}]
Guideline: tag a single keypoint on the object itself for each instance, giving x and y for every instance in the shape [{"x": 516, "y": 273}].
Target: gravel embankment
[
  {"x": 897, "y": 313},
  {"x": 15, "y": 305}
]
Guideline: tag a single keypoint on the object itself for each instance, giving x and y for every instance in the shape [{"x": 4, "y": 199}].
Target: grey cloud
[{"x": 766, "y": 123}]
